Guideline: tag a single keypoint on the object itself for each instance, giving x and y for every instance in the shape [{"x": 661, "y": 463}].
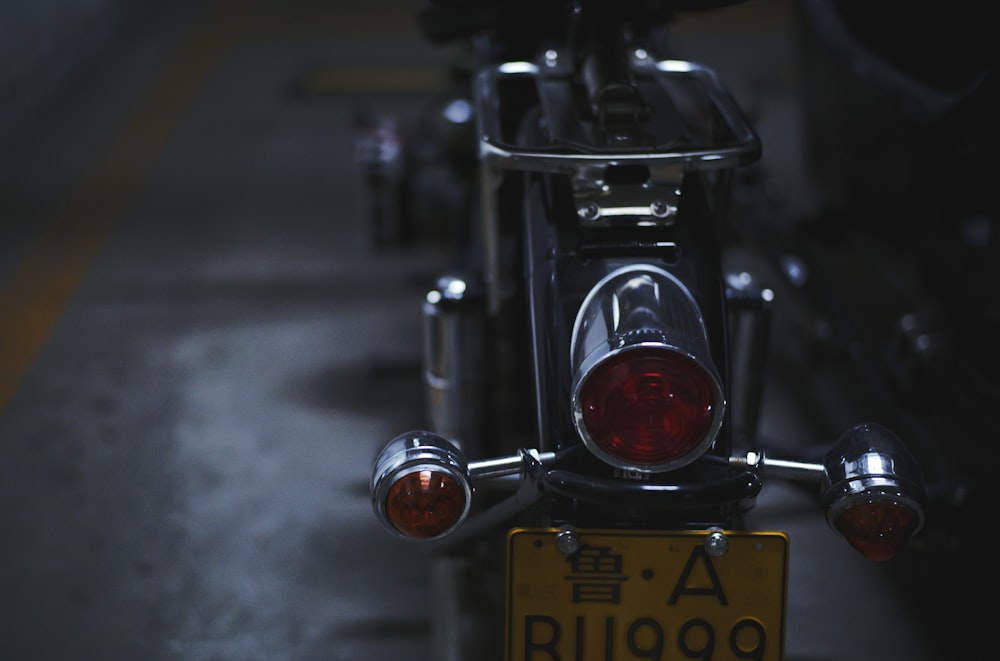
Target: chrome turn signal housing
[
  {"x": 872, "y": 491},
  {"x": 420, "y": 486}
]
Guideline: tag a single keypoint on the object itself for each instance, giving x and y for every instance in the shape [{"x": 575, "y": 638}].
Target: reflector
[{"x": 425, "y": 503}]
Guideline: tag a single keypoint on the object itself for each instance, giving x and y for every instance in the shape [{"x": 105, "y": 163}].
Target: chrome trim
[
  {"x": 651, "y": 203},
  {"x": 742, "y": 149},
  {"x": 506, "y": 466}
]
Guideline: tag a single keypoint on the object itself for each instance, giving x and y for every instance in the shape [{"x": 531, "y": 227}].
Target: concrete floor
[{"x": 202, "y": 353}]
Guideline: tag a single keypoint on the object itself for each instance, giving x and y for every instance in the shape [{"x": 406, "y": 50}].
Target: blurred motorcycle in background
[{"x": 595, "y": 353}]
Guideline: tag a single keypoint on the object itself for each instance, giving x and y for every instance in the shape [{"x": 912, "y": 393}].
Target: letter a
[{"x": 698, "y": 555}]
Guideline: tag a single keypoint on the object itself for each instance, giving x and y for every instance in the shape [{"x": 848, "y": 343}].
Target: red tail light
[
  {"x": 645, "y": 396},
  {"x": 649, "y": 407}
]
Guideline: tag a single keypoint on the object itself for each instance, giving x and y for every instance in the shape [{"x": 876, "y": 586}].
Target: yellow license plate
[{"x": 628, "y": 594}]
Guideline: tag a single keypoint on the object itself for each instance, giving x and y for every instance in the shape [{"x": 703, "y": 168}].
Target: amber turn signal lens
[
  {"x": 425, "y": 503},
  {"x": 878, "y": 529}
]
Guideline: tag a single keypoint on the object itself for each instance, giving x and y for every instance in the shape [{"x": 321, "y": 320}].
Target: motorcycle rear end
[{"x": 593, "y": 372}]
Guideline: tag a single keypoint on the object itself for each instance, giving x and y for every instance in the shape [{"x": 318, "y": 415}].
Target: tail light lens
[
  {"x": 420, "y": 486},
  {"x": 648, "y": 406},
  {"x": 646, "y": 396}
]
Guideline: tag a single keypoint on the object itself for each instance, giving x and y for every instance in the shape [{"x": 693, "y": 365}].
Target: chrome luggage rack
[
  {"x": 690, "y": 124},
  {"x": 711, "y": 134}
]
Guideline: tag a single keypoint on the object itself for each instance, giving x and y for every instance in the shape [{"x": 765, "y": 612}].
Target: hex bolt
[
  {"x": 716, "y": 544},
  {"x": 659, "y": 209},
  {"x": 567, "y": 541},
  {"x": 589, "y": 211}
]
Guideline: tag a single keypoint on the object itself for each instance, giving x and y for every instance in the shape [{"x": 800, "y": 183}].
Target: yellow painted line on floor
[{"x": 35, "y": 295}]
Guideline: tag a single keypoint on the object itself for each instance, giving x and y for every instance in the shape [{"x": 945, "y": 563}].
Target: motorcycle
[{"x": 593, "y": 366}]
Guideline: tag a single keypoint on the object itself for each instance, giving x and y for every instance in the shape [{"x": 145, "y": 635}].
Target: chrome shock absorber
[{"x": 456, "y": 362}]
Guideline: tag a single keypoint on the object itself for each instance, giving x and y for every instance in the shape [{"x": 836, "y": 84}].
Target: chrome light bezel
[{"x": 412, "y": 452}]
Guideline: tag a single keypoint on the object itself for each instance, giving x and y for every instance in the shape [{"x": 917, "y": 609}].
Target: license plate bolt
[
  {"x": 716, "y": 544},
  {"x": 567, "y": 541}
]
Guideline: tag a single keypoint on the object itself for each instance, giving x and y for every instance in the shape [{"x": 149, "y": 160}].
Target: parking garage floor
[{"x": 202, "y": 351}]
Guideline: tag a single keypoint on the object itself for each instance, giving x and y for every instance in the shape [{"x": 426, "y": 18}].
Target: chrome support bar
[
  {"x": 798, "y": 471},
  {"x": 503, "y": 466}
]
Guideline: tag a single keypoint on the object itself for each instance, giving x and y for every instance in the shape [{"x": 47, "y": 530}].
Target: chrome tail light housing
[{"x": 645, "y": 396}]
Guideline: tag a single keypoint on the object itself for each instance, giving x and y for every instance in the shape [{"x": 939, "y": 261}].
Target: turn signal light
[
  {"x": 420, "y": 486},
  {"x": 872, "y": 491}
]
